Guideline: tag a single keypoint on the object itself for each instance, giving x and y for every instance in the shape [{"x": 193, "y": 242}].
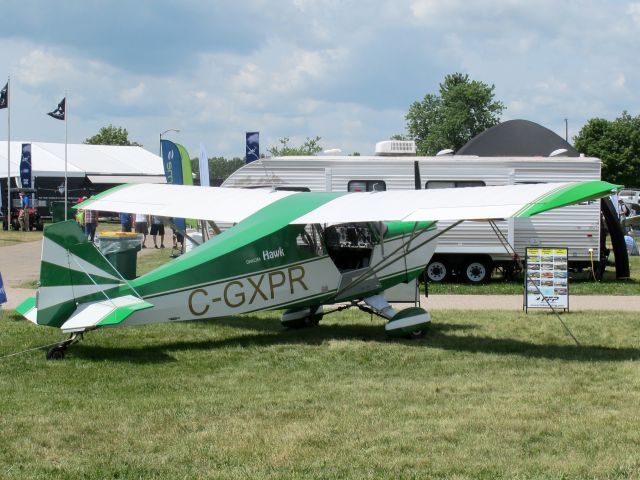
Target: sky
[{"x": 346, "y": 71}]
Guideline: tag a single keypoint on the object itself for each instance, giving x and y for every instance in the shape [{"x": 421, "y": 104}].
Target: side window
[
  {"x": 310, "y": 238},
  {"x": 366, "y": 186},
  {"x": 433, "y": 184}
]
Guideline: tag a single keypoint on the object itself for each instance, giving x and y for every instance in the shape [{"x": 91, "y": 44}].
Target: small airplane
[{"x": 291, "y": 251}]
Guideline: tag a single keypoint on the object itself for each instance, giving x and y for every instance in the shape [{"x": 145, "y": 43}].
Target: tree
[
  {"x": 617, "y": 144},
  {"x": 111, "y": 135},
  {"x": 463, "y": 109},
  {"x": 311, "y": 146},
  {"x": 219, "y": 167}
]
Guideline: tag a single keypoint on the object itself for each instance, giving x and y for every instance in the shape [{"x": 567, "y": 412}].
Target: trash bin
[
  {"x": 57, "y": 212},
  {"x": 121, "y": 249}
]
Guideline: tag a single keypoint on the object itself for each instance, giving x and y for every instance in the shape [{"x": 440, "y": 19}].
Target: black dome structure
[{"x": 516, "y": 138}]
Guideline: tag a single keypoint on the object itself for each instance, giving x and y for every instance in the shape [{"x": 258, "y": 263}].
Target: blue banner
[
  {"x": 25, "y": 166},
  {"x": 253, "y": 147},
  {"x": 3, "y": 294},
  {"x": 172, "y": 162}
]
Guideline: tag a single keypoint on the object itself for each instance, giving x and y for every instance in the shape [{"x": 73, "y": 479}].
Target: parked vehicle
[{"x": 472, "y": 250}]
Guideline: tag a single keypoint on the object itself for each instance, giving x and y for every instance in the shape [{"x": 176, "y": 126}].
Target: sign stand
[{"x": 546, "y": 279}]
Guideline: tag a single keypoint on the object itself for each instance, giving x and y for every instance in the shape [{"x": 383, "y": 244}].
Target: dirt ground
[{"x": 20, "y": 263}]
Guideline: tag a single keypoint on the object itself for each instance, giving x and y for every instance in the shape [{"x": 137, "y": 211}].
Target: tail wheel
[
  {"x": 437, "y": 271},
  {"x": 477, "y": 271}
]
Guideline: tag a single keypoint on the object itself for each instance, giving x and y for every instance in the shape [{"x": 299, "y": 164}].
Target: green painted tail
[{"x": 72, "y": 271}]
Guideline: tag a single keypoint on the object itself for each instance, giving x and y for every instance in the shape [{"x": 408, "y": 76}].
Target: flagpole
[
  {"x": 8, "y": 152},
  {"x": 66, "y": 115}
]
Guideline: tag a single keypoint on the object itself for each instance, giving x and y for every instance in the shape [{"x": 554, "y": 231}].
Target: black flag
[
  {"x": 58, "y": 113},
  {"x": 4, "y": 96}
]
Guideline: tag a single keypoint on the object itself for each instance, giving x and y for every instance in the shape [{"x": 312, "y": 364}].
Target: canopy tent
[
  {"x": 96, "y": 161},
  {"x": 516, "y": 138}
]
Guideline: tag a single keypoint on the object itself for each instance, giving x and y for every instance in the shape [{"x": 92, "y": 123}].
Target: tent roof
[
  {"x": 519, "y": 138},
  {"x": 48, "y": 160}
]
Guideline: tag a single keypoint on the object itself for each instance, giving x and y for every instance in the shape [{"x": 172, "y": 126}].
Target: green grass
[
  {"x": 579, "y": 284},
  {"x": 484, "y": 395},
  {"x": 13, "y": 237}
]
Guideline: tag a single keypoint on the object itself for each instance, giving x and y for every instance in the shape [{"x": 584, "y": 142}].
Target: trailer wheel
[
  {"x": 477, "y": 271},
  {"x": 437, "y": 271}
]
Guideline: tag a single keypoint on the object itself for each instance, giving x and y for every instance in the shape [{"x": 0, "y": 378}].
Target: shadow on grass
[{"x": 268, "y": 332}]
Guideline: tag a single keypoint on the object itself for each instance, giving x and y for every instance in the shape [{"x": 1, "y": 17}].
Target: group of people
[
  {"x": 140, "y": 224},
  {"x": 88, "y": 220}
]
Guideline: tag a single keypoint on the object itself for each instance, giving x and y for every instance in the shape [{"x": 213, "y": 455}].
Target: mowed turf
[{"x": 484, "y": 395}]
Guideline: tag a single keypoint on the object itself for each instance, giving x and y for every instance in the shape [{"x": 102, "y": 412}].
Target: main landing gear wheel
[
  {"x": 477, "y": 271},
  {"x": 437, "y": 271},
  {"x": 306, "y": 317}
]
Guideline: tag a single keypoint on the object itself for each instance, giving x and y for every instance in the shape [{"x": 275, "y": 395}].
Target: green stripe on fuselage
[{"x": 238, "y": 250}]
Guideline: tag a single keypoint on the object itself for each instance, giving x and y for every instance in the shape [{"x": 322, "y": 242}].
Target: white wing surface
[
  {"x": 471, "y": 203},
  {"x": 235, "y": 204},
  {"x": 181, "y": 201}
]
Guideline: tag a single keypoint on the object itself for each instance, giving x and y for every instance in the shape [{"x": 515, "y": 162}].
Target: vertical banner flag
[
  {"x": 177, "y": 170},
  {"x": 172, "y": 162},
  {"x": 253, "y": 146},
  {"x": 203, "y": 163},
  {"x": 25, "y": 166},
  {"x": 3, "y": 293}
]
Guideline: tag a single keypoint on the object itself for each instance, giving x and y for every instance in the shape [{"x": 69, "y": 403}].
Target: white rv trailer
[{"x": 472, "y": 249}]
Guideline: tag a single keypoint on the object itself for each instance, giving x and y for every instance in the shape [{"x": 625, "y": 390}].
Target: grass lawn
[{"x": 484, "y": 395}]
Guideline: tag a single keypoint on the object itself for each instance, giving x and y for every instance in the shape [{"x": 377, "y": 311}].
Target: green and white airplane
[{"x": 294, "y": 251}]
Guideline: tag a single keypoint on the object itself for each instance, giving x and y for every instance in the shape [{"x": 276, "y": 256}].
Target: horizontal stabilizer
[{"x": 103, "y": 313}]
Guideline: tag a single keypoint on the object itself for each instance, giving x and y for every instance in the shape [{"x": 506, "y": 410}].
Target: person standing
[
  {"x": 23, "y": 216},
  {"x": 157, "y": 228},
  {"x": 125, "y": 222},
  {"x": 90, "y": 224},
  {"x": 142, "y": 226}
]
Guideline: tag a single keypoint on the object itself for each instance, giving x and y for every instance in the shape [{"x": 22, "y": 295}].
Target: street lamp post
[{"x": 166, "y": 131}]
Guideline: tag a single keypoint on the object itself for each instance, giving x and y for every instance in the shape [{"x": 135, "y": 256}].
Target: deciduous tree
[
  {"x": 111, "y": 135},
  {"x": 463, "y": 109},
  {"x": 617, "y": 144}
]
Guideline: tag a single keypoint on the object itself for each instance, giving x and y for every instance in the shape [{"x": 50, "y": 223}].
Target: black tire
[
  {"x": 477, "y": 270},
  {"x": 437, "y": 271},
  {"x": 55, "y": 353}
]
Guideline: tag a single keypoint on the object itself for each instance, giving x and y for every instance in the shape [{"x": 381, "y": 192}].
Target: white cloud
[
  {"x": 634, "y": 10},
  {"x": 41, "y": 67}
]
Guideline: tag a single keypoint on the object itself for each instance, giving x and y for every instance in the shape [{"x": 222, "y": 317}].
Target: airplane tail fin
[{"x": 73, "y": 276}]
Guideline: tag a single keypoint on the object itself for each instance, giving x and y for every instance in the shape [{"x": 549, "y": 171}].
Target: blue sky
[{"x": 344, "y": 70}]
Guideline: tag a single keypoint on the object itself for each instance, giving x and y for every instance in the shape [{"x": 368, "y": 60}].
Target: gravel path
[{"x": 20, "y": 263}]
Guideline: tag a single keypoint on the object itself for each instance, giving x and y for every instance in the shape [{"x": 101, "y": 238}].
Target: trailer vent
[{"x": 396, "y": 148}]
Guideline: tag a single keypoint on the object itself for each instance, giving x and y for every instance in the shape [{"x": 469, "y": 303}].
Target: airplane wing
[
  {"x": 235, "y": 204},
  {"x": 184, "y": 201},
  {"x": 470, "y": 203}
]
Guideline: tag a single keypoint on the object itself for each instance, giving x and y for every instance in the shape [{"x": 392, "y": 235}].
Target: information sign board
[{"x": 546, "y": 280}]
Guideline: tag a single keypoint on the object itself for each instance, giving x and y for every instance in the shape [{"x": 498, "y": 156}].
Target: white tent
[{"x": 100, "y": 163}]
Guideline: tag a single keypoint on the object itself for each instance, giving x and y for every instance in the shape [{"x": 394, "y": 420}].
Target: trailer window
[
  {"x": 366, "y": 186},
  {"x": 432, "y": 184}
]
